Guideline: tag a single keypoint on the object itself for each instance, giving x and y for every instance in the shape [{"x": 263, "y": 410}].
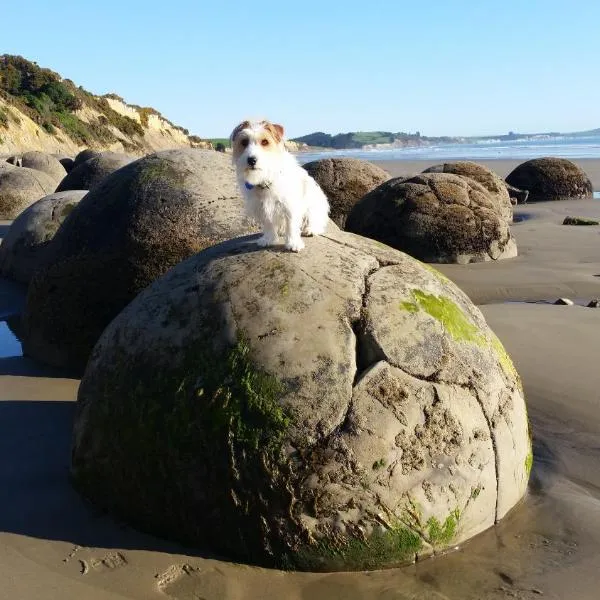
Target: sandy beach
[{"x": 55, "y": 546}]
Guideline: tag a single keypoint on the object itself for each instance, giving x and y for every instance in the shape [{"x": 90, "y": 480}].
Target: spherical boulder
[
  {"x": 85, "y": 155},
  {"x": 40, "y": 161},
  {"x": 88, "y": 174},
  {"x": 126, "y": 232},
  {"x": 345, "y": 181},
  {"x": 23, "y": 248},
  {"x": 551, "y": 178},
  {"x": 346, "y": 407},
  {"x": 66, "y": 161},
  {"x": 21, "y": 187},
  {"x": 491, "y": 181},
  {"x": 435, "y": 217}
]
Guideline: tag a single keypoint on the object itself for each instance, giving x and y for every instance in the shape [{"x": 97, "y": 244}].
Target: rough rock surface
[
  {"x": 129, "y": 230},
  {"x": 345, "y": 181},
  {"x": 491, "y": 181},
  {"x": 517, "y": 196},
  {"x": 88, "y": 174},
  {"x": 21, "y": 187},
  {"x": 435, "y": 217},
  {"x": 346, "y": 407},
  {"x": 551, "y": 179},
  {"x": 24, "y": 246},
  {"x": 40, "y": 161}
]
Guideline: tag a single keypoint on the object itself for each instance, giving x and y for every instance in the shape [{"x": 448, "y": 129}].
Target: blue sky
[{"x": 443, "y": 67}]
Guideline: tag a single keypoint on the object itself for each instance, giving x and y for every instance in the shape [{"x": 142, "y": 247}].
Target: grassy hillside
[
  {"x": 57, "y": 104},
  {"x": 357, "y": 139}
]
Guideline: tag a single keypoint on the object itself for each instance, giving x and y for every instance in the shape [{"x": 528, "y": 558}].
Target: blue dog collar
[
  {"x": 249, "y": 186},
  {"x": 260, "y": 186}
]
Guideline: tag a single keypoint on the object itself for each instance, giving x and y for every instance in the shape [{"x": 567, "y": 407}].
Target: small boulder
[
  {"x": 130, "y": 229},
  {"x": 40, "y": 161},
  {"x": 85, "y": 155},
  {"x": 23, "y": 248},
  {"x": 580, "y": 221},
  {"x": 20, "y": 187},
  {"x": 66, "y": 161},
  {"x": 435, "y": 217},
  {"x": 491, "y": 181},
  {"x": 87, "y": 175},
  {"x": 564, "y": 302},
  {"x": 345, "y": 181},
  {"x": 595, "y": 303},
  {"x": 342, "y": 408},
  {"x": 551, "y": 178}
]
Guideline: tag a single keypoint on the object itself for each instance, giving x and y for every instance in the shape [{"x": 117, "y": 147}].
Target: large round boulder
[
  {"x": 21, "y": 187},
  {"x": 40, "y": 161},
  {"x": 23, "y": 248},
  {"x": 66, "y": 161},
  {"x": 551, "y": 179},
  {"x": 129, "y": 230},
  {"x": 346, "y": 407},
  {"x": 435, "y": 217},
  {"x": 88, "y": 174},
  {"x": 345, "y": 181},
  {"x": 491, "y": 181}
]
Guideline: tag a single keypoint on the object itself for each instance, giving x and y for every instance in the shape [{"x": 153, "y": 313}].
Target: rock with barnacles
[
  {"x": 88, "y": 174},
  {"x": 486, "y": 177},
  {"x": 345, "y": 181},
  {"x": 21, "y": 187},
  {"x": 346, "y": 407},
  {"x": 23, "y": 248},
  {"x": 126, "y": 232},
  {"x": 551, "y": 178},
  {"x": 435, "y": 217}
]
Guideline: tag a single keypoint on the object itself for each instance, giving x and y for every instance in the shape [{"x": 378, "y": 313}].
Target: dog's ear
[
  {"x": 237, "y": 130},
  {"x": 275, "y": 130}
]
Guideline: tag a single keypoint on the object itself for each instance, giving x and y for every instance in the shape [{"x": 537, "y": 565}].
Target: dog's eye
[
  {"x": 244, "y": 142},
  {"x": 264, "y": 142}
]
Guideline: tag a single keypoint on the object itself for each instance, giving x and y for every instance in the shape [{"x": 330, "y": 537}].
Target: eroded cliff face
[{"x": 19, "y": 133}]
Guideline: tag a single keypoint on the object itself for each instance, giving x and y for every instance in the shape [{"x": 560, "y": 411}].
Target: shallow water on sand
[{"x": 9, "y": 344}]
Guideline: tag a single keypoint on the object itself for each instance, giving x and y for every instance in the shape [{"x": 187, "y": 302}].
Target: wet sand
[{"x": 55, "y": 546}]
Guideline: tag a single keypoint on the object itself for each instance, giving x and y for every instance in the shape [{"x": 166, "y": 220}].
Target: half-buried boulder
[
  {"x": 345, "y": 181},
  {"x": 21, "y": 187},
  {"x": 435, "y": 217},
  {"x": 129, "y": 230},
  {"x": 88, "y": 174},
  {"x": 85, "y": 155},
  {"x": 23, "y": 248},
  {"x": 551, "y": 179},
  {"x": 491, "y": 181},
  {"x": 342, "y": 408},
  {"x": 40, "y": 161}
]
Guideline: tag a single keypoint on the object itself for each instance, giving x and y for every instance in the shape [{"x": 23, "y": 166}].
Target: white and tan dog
[{"x": 279, "y": 193}]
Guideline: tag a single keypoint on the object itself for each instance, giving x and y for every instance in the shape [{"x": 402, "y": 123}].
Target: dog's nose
[{"x": 252, "y": 161}]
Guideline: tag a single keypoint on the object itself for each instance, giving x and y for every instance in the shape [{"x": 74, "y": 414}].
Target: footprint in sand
[
  {"x": 112, "y": 560},
  {"x": 185, "y": 582}
]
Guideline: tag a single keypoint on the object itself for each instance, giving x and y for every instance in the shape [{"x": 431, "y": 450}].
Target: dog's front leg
[
  {"x": 293, "y": 229},
  {"x": 269, "y": 236}
]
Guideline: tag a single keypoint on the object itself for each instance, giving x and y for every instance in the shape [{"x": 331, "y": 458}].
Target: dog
[{"x": 279, "y": 193}]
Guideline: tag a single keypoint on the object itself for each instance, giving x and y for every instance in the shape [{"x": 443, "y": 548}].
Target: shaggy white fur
[{"x": 279, "y": 193}]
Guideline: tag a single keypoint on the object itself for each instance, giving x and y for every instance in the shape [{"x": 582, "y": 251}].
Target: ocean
[{"x": 572, "y": 147}]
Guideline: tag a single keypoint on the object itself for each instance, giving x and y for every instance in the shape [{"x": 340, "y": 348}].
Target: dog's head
[{"x": 257, "y": 150}]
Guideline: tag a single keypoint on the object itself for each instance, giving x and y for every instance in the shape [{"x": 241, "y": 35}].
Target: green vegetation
[
  {"x": 3, "y": 117},
  {"x": 358, "y": 139},
  {"x": 214, "y": 141},
  {"x": 53, "y": 103},
  {"x": 442, "y": 534}
]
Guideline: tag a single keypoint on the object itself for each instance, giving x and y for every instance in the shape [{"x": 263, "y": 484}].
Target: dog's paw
[
  {"x": 294, "y": 245},
  {"x": 265, "y": 241}
]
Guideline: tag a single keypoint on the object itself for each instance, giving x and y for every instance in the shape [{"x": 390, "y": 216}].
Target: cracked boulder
[
  {"x": 345, "y": 181},
  {"x": 435, "y": 217},
  {"x": 21, "y": 187},
  {"x": 342, "y": 408},
  {"x": 125, "y": 233},
  {"x": 88, "y": 174},
  {"x": 491, "y": 181},
  {"x": 23, "y": 248},
  {"x": 551, "y": 178}
]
